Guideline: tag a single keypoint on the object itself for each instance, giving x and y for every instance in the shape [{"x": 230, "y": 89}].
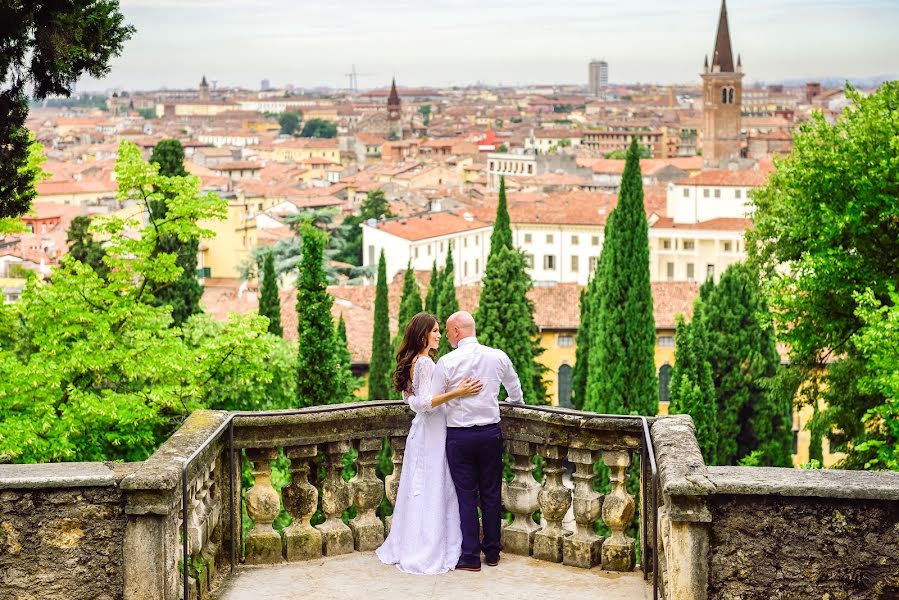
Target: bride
[{"x": 425, "y": 537}]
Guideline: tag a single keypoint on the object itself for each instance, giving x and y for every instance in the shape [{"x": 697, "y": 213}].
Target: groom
[{"x": 474, "y": 442}]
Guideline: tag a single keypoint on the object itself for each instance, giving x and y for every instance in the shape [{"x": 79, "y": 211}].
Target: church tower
[
  {"x": 204, "y": 89},
  {"x": 394, "y": 111},
  {"x": 722, "y": 84}
]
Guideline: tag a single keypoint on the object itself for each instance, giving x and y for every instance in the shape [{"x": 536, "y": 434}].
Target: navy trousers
[{"x": 475, "y": 457}]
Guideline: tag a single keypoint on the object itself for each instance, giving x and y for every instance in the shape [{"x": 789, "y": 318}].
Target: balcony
[{"x": 667, "y": 524}]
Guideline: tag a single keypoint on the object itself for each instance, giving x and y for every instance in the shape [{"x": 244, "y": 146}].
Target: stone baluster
[
  {"x": 617, "y": 511},
  {"x": 367, "y": 491},
  {"x": 392, "y": 482},
  {"x": 263, "y": 544},
  {"x": 520, "y": 498},
  {"x": 554, "y": 500},
  {"x": 583, "y": 548},
  {"x": 302, "y": 541},
  {"x": 337, "y": 538}
]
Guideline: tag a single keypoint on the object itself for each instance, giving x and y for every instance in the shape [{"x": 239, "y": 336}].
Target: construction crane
[{"x": 353, "y": 78}]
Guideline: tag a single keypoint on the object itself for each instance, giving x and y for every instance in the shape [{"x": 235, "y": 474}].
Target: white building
[{"x": 425, "y": 238}]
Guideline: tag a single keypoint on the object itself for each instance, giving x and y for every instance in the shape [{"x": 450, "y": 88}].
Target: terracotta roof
[
  {"x": 431, "y": 225},
  {"x": 722, "y": 224},
  {"x": 755, "y": 177},
  {"x": 317, "y": 143},
  {"x": 85, "y": 186},
  {"x": 236, "y": 165}
]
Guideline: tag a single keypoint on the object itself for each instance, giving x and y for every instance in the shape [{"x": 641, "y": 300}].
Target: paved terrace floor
[{"x": 361, "y": 575}]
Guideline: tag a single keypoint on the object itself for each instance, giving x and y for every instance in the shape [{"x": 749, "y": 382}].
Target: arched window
[
  {"x": 664, "y": 381},
  {"x": 565, "y": 386},
  {"x": 723, "y": 95},
  {"x": 731, "y": 96}
]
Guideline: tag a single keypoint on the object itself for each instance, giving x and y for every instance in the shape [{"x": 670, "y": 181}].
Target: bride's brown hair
[{"x": 415, "y": 340}]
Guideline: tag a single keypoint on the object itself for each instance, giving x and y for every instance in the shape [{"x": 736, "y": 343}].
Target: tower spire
[
  {"x": 394, "y": 98},
  {"x": 722, "y": 56}
]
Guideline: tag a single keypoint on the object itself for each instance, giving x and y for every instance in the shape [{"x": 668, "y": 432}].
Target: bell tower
[
  {"x": 394, "y": 110},
  {"x": 722, "y": 85}
]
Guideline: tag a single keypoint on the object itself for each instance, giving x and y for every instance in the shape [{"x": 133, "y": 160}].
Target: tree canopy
[
  {"x": 289, "y": 122},
  {"x": 319, "y": 128}
]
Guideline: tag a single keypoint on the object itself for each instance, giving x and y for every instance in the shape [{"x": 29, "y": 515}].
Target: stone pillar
[
  {"x": 617, "y": 511},
  {"x": 392, "y": 482},
  {"x": 151, "y": 548},
  {"x": 554, "y": 501},
  {"x": 583, "y": 548},
  {"x": 687, "y": 548},
  {"x": 520, "y": 498},
  {"x": 337, "y": 538},
  {"x": 367, "y": 491},
  {"x": 302, "y": 541},
  {"x": 263, "y": 545}
]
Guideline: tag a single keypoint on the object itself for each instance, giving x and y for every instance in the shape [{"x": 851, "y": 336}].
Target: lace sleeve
[{"x": 420, "y": 400}]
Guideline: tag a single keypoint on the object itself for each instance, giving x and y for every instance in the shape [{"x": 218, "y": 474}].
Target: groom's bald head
[{"x": 459, "y": 325}]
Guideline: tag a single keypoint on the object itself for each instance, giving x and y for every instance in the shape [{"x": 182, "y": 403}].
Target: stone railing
[{"x": 759, "y": 533}]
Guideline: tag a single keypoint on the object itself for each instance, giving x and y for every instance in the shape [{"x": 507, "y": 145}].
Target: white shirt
[{"x": 491, "y": 367}]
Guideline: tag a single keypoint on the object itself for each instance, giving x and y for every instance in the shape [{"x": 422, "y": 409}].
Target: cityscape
[{"x": 277, "y": 208}]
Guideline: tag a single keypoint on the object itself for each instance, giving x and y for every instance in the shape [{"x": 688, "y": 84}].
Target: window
[
  {"x": 731, "y": 95},
  {"x": 371, "y": 255},
  {"x": 690, "y": 272},
  {"x": 465, "y": 269},
  {"x": 465, "y": 242},
  {"x": 591, "y": 263},
  {"x": 477, "y": 266},
  {"x": 564, "y": 340},
  {"x": 727, "y": 246},
  {"x": 477, "y": 240},
  {"x": 574, "y": 263},
  {"x": 664, "y": 381},
  {"x": 689, "y": 245},
  {"x": 738, "y": 194},
  {"x": 717, "y": 193},
  {"x": 549, "y": 262},
  {"x": 529, "y": 259},
  {"x": 549, "y": 238},
  {"x": 710, "y": 271},
  {"x": 686, "y": 192},
  {"x": 665, "y": 341},
  {"x": 723, "y": 95},
  {"x": 429, "y": 249},
  {"x": 575, "y": 240},
  {"x": 416, "y": 252},
  {"x": 565, "y": 386},
  {"x": 441, "y": 246},
  {"x": 705, "y": 193},
  {"x": 527, "y": 238},
  {"x": 670, "y": 271},
  {"x": 666, "y": 244},
  {"x": 595, "y": 240}
]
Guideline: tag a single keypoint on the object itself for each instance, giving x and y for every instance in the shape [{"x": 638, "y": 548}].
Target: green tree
[
  {"x": 505, "y": 315},
  {"x": 83, "y": 247},
  {"x": 379, "y": 371},
  {"x": 289, "y": 122},
  {"x": 425, "y": 111},
  {"x": 269, "y": 302},
  {"x": 818, "y": 258},
  {"x": 433, "y": 290},
  {"x": 375, "y": 206},
  {"x": 447, "y": 303},
  {"x": 93, "y": 371},
  {"x": 502, "y": 228},
  {"x": 346, "y": 359},
  {"x": 319, "y": 376},
  {"x": 742, "y": 355},
  {"x": 47, "y": 47},
  {"x": 410, "y": 301},
  {"x": 184, "y": 294},
  {"x": 691, "y": 389},
  {"x": 645, "y": 152},
  {"x": 621, "y": 375},
  {"x": 319, "y": 128},
  {"x": 29, "y": 173},
  {"x": 584, "y": 342}
]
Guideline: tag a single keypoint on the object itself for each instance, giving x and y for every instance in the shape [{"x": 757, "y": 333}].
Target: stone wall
[
  {"x": 772, "y": 547},
  {"x": 61, "y": 531}
]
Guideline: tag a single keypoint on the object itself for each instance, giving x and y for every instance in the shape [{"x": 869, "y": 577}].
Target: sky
[{"x": 461, "y": 42}]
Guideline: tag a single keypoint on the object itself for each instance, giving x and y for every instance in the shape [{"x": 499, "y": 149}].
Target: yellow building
[
  {"x": 221, "y": 256},
  {"x": 298, "y": 150}
]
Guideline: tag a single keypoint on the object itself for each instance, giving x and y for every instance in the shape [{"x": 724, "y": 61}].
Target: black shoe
[
  {"x": 492, "y": 562},
  {"x": 467, "y": 566}
]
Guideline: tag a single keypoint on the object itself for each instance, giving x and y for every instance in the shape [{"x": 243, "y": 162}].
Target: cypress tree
[
  {"x": 83, "y": 247},
  {"x": 345, "y": 360},
  {"x": 502, "y": 228},
  {"x": 505, "y": 316},
  {"x": 743, "y": 356},
  {"x": 269, "y": 302},
  {"x": 691, "y": 388},
  {"x": 433, "y": 290},
  {"x": 447, "y": 303},
  {"x": 621, "y": 376},
  {"x": 584, "y": 342},
  {"x": 379, "y": 369},
  {"x": 410, "y": 302},
  {"x": 184, "y": 294},
  {"x": 319, "y": 376}
]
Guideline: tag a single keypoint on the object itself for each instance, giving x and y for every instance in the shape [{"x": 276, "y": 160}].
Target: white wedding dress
[{"x": 425, "y": 536}]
